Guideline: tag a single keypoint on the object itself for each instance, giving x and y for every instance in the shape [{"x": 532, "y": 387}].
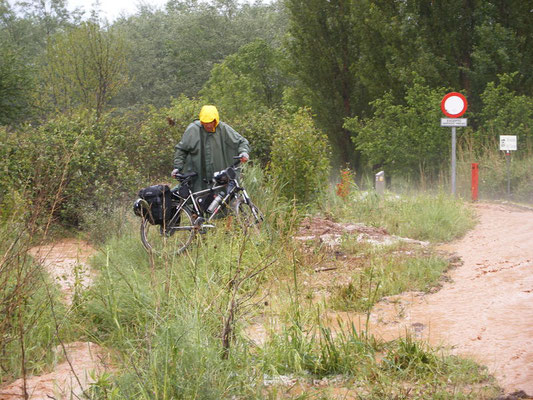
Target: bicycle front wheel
[
  {"x": 171, "y": 239},
  {"x": 247, "y": 213}
]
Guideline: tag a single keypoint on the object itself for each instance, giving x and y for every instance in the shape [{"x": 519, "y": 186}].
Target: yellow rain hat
[{"x": 209, "y": 114}]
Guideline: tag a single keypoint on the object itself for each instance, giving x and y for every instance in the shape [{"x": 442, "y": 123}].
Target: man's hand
[
  {"x": 244, "y": 157},
  {"x": 175, "y": 172}
]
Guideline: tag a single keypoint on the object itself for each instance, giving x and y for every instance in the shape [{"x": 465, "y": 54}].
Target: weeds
[
  {"x": 423, "y": 216},
  {"x": 176, "y": 323},
  {"x": 386, "y": 275}
]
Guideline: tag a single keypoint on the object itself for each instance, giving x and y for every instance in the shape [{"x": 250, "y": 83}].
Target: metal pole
[
  {"x": 508, "y": 173},
  {"x": 453, "y": 160}
]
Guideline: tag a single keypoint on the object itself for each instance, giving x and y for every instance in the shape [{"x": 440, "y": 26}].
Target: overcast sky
[{"x": 112, "y": 9}]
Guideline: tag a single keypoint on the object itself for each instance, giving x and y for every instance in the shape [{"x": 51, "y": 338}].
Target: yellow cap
[{"x": 209, "y": 114}]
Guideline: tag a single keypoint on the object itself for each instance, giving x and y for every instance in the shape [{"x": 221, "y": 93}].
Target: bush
[
  {"x": 404, "y": 139},
  {"x": 150, "y": 144},
  {"x": 70, "y": 163},
  {"x": 260, "y": 130},
  {"x": 300, "y": 158},
  {"x": 504, "y": 112}
]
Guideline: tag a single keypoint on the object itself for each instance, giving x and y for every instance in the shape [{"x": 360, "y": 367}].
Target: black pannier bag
[{"x": 159, "y": 200}]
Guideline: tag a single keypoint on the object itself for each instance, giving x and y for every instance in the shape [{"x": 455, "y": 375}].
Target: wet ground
[
  {"x": 78, "y": 363},
  {"x": 483, "y": 311}
]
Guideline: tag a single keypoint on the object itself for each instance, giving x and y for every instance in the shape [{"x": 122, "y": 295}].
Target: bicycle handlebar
[{"x": 189, "y": 175}]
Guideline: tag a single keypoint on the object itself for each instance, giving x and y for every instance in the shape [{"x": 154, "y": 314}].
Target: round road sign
[{"x": 453, "y": 105}]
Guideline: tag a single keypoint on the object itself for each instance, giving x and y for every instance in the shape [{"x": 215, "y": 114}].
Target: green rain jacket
[{"x": 219, "y": 148}]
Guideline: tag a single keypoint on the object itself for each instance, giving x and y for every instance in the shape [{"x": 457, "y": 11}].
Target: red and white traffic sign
[{"x": 453, "y": 105}]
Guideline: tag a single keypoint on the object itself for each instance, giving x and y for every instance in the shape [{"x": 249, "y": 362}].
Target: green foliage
[
  {"x": 300, "y": 158},
  {"x": 70, "y": 162},
  {"x": 85, "y": 66},
  {"x": 16, "y": 86},
  {"x": 174, "y": 51},
  {"x": 149, "y": 144},
  {"x": 404, "y": 139},
  {"x": 505, "y": 112},
  {"x": 260, "y": 130},
  {"x": 248, "y": 82},
  {"x": 323, "y": 46}
]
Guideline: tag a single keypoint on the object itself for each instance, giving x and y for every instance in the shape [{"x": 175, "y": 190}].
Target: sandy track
[
  {"x": 66, "y": 262},
  {"x": 68, "y": 380},
  {"x": 486, "y": 311}
]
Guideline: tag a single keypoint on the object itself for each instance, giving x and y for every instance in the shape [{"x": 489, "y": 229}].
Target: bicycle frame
[
  {"x": 190, "y": 216},
  {"x": 193, "y": 200}
]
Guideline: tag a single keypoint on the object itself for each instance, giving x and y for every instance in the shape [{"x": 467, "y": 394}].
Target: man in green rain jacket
[{"x": 208, "y": 146}]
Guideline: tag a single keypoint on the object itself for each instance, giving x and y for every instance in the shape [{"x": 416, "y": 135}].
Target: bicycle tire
[
  {"x": 248, "y": 214},
  {"x": 174, "y": 240}
]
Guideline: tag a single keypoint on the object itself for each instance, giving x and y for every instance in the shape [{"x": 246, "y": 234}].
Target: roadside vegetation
[
  {"x": 180, "y": 327},
  {"x": 328, "y": 93}
]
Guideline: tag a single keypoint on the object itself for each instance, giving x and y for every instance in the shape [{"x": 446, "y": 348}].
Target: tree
[
  {"x": 404, "y": 139},
  {"x": 505, "y": 112},
  {"x": 85, "y": 66},
  {"x": 323, "y": 48},
  {"x": 174, "y": 51},
  {"x": 300, "y": 158},
  {"x": 248, "y": 82},
  {"x": 15, "y": 88}
]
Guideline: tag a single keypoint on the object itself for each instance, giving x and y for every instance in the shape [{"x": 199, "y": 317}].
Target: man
[{"x": 208, "y": 146}]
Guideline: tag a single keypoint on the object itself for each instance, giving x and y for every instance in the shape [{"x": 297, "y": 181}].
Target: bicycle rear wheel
[{"x": 174, "y": 238}]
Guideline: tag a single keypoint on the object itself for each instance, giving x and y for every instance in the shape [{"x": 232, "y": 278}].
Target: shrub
[
  {"x": 150, "y": 145},
  {"x": 260, "y": 129},
  {"x": 505, "y": 112},
  {"x": 300, "y": 158},
  {"x": 404, "y": 139},
  {"x": 69, "y": 162}
]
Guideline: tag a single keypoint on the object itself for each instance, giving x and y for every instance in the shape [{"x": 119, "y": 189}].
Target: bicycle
[{"x": 191, "y": 215}]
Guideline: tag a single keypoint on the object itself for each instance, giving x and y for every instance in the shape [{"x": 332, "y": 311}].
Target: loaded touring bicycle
[{"x": 170, "y": 218}]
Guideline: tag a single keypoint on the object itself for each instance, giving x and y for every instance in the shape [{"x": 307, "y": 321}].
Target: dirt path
[
  {"x": 486, "y": 310},
  {"x": 66, "y": 262},
  {"x": 79, "y": 362},
  {"x": 68, "y": 380}
]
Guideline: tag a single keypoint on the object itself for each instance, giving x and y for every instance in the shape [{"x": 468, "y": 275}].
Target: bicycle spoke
[{"x": 172, "y": 239}]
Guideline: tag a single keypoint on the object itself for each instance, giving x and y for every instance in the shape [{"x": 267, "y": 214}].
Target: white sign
[
  {"x": 453, "y": 105},
  {"x": 508, "y": 142},
  {"x": 453, "y": 121}
]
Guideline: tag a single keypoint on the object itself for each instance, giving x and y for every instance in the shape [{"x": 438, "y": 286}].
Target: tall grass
[
  {"x": 494, "y": 171},
  {"x": 33, "y": 321},
  {"x": 422, "y": 216},
  {"x": 177, "y": 324},
  {"x": 389, "y": 273},
  {"x": 403, "y": 368},
  {"x": 168, "y": 319}
]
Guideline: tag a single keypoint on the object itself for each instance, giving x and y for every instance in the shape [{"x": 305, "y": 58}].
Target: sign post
[
  {"x": 508, "y": 144},
  {"x": 453, "y": 105}
]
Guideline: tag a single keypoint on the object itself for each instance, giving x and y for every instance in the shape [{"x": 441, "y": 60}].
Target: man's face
[{"x": 210, "y": 126}]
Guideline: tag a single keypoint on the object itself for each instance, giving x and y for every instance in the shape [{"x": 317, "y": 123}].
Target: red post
[{"x": 475, "y": 172}]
